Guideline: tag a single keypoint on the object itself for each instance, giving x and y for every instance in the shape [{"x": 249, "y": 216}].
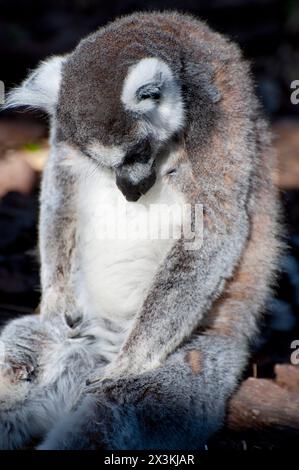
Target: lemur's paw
[
  {"x": 73, "y": 318},
  {"x": 56, "y": 305},
  {"x": 16, "y": 372},
  {"x": 123, "y": 368},
  {"x": 112, "y": 373},
  {"x": 14, "y": 383}
]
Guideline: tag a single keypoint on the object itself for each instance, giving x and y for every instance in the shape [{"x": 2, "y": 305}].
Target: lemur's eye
[
  {"x": 149, "y": 91},
  {"x": 172, "y": 171}
]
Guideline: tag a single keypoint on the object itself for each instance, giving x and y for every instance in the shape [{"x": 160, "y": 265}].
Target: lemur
[{"x": 139, "y": 344}]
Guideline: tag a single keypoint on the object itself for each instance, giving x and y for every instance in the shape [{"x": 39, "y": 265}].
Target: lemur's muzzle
[
  {"x": 132, "y": 191},
  {"x": 137, "y": 173}
]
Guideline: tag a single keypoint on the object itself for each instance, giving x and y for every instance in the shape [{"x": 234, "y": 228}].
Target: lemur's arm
[
  {"x": 57, "y": 212},
  {"x": 57, "y": 239},
  {"x": 184, "y": 290}
]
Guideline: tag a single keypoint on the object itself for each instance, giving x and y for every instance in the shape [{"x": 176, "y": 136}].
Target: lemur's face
[{"x": 119, "y": 111}]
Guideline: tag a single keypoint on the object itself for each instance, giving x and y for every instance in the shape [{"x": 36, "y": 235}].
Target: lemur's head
[{"x": 117, "y": 105}]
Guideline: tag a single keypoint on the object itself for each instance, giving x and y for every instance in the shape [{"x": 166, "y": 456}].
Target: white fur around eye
[{"x": 161, "y": 117}]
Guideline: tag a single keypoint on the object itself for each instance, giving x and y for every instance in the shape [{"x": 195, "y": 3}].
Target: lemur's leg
[
  {"x": 182, "y": 403},
  {"x": 177, "y": 406},
  {"x": 43, "y": 373}
]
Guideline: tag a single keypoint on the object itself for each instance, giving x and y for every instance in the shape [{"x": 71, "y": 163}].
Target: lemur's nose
[
  {"x": 133, "y": 192},
  {"x": 137, "y": 174}
]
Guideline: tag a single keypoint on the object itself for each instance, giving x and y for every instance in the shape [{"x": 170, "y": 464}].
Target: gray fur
[{"x": 167, "y": 384}]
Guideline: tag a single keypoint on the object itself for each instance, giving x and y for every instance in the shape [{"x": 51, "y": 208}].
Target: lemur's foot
[
  {"x": 14, "y": 384},
  {"x": 20, "y": 343},
  {"x": 16, "y": 372}
]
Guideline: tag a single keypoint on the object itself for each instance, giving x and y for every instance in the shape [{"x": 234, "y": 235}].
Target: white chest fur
[{"x": 115, "y": 274}]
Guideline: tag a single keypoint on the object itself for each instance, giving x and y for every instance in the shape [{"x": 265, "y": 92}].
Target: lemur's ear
[{"x": 40, "y": 90}]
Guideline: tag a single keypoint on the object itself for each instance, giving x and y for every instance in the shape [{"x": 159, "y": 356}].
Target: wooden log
[
  {"x": 287, "y": 145},
  {"x": 287, "y": 376},
  {"x": 262, "y": 404}
]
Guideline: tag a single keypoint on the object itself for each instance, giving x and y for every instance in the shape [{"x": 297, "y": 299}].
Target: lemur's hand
[
  {"x": 122, "y": 368},
  {"x": 14, "y": 370},
  {"x": 61, "y": 303},
  {"x": 21, "y": 342}
]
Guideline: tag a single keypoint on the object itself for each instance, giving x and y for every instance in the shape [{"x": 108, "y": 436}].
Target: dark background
[
  {"x": 267, "y": 30},
  {"x": 268, "y": 33}
]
